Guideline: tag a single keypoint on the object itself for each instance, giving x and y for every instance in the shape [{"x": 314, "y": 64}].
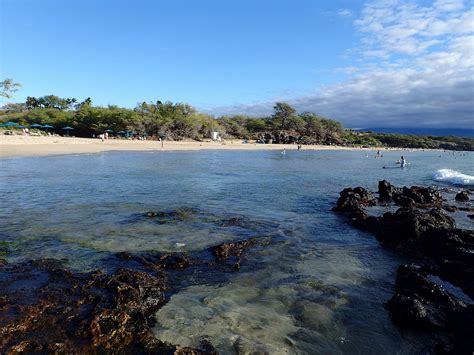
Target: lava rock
[
  {"x": 420, "y": 303},
  {"x": 387, "y": 190},
  {"x": 63, "y": 312},
  {"x": 225, "y": 250},
  {"x": 352, "y": 201},
  {"x": 462, "y": 196}
]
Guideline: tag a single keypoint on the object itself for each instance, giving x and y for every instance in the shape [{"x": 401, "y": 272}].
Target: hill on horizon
[{"x": 438, "y": 132}]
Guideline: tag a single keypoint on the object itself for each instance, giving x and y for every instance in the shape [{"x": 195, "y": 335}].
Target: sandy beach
[{"x": 15, "y": 146}]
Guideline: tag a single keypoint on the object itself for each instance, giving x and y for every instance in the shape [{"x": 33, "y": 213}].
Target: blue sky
[{"x": 234, "y": 56}]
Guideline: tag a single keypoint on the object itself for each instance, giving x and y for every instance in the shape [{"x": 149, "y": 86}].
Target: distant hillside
[{"x": 439, "y": 132}]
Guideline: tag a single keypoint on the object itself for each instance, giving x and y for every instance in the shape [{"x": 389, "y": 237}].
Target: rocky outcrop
[
  {"x": 422, "y": 304},
  {"x": 462, "y": 196},
  {"x": 407, "y": 227},
  {"x": 431, "y": 238},
  {"x": 415, "y": 196},
  {"x": 353, "y": 201},
  {"x": 56, "y": 310},
  {"x": 418, "y": 302}
]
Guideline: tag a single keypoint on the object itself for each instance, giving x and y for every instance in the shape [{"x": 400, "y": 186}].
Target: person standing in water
[{"x": 403, "y": 162}]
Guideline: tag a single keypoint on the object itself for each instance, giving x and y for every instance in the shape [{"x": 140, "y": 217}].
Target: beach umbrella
[
  {"x": 36, "y": 125},
  {"x": 48, "y": 126},
  {"x": 20, "y": 126},
  {"x": 67, "y": 129},
  {"x": 109, "y": 131},
  {"x": 121, "y": 132},
  {"x": 10, "y": 124}
]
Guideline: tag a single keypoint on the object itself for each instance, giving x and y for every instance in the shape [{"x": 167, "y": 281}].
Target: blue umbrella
[
  {"x": 36, "y": 125},
  {"x": 109, "y": 131},
  {"x": 48, "y": 126},
  {"x": 10, "y": 124},
  {"x": 67, "y": 129}
]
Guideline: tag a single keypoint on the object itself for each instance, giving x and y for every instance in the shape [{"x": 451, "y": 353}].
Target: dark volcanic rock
[
  {"x": 171, "y": 216},
  {"x": 432, "y": 238},
  {"x": 352, "y": 201},
  {"x": 225, "y": 250},
  {"x": 462, "y": 196},
  {"x": 418, "y": 196},
  {"x": 406, "y": 226},
  {"x": 387, "y": 190},
  {"x": 449, "y": 208},
  {"x": 418, "y": 302},
  {"x": 415, "y": 196},
  {"x": 159, "y": 261},
  {"x": 230, "y": 253},
  {"x": 421, "y": 303},
  {"x": 55, "y": 310}
]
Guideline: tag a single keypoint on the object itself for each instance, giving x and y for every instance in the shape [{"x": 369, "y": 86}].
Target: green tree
[{"x": 282, "y": 116}]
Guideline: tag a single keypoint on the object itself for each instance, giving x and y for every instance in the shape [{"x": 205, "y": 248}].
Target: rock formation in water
[
  {"x": 46, "y": 308},
  {"x": 422, "y": 230}
]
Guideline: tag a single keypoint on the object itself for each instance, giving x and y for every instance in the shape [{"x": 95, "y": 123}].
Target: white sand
[{"x": 13, "y": 146}]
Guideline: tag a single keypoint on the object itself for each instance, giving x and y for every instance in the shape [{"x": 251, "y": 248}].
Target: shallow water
[{"x": 319, "y": 286}]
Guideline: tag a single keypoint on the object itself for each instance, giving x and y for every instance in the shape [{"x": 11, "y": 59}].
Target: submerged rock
[
  {"x": 46, "y": 308},
  {"x": 171, "y": 216},
  {"x": 230, "y": 253},
  {"x": 225, "y": 250},
  {"x": 159, "y": 261}
]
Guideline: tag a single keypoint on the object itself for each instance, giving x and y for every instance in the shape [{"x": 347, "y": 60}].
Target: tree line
[{"x": 178, "y": 121}]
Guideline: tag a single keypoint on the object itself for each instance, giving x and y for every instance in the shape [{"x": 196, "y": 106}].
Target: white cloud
[
  {"x": 345, "y": 13},
  {"x": 418, "y": 71}
]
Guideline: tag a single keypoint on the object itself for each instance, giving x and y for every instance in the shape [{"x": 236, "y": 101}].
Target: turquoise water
[{"x": 318, "y": 287}]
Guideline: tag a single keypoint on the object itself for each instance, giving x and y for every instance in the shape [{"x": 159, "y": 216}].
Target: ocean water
[{"x": 315, "y": 285}]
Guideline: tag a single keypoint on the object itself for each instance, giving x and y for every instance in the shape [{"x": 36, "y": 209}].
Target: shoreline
[{"x": 33, "y": 146}]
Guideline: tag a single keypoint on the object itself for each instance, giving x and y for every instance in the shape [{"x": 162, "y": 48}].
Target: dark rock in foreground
[
  {"x": 352, "y": 201},
  {"x": 462, "y": 196},
  {"x": 46, "y": 308},
  {"x": 421, "y": 303},
  {"x": 59, "y": 311},
  {"x": 415, "y": 196},
  {"x": 431, "y": 237}
]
